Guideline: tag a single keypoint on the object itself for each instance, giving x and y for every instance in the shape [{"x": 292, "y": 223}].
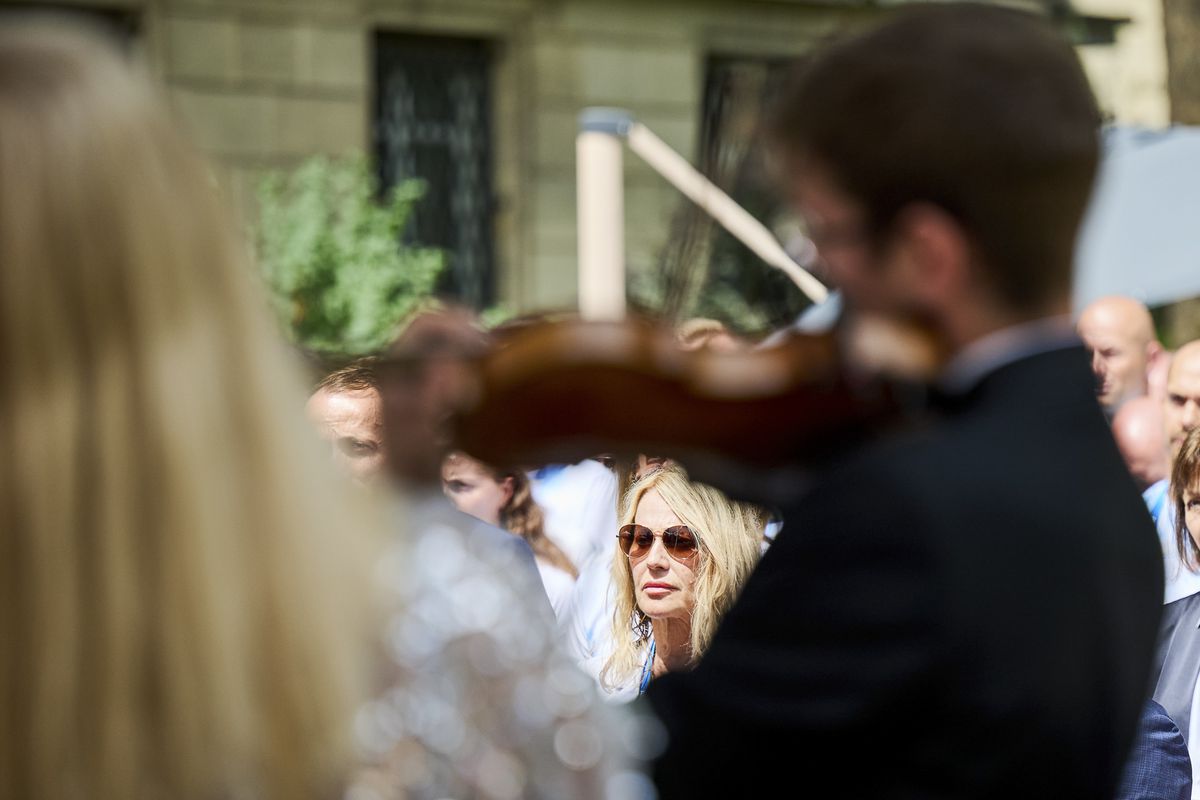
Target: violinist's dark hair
[{"x": 982, "y": 111}]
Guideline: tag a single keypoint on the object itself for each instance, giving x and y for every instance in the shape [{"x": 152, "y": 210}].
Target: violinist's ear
[{"x": 932, "y": 253}]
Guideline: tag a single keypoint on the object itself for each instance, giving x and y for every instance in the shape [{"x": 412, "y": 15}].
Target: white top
[
  {"x": 588, "y": 618},
  {"x": 579, "y": 502},
  {"x": 627, "y": 692},
  {"x": 560, "y": 586},
  {"x": 1179, "y": 581},
  {"x": 589, "y": 624},
  {"x": 630, "y": 688}
]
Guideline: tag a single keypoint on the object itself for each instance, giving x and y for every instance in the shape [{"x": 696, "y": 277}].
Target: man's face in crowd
[
  {"x": 1140, "y": 431},
  {"x": 1182, "y": 409},
  {"x": 352, "y": 423},
  {"x": 1119, "y": 354}
]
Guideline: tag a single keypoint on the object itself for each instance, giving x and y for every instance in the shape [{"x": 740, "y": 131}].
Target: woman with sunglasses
[{"x": 684, "y": 552}]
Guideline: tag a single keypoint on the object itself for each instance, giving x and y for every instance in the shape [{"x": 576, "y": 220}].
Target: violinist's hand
[{"x": 885, "y": 345}]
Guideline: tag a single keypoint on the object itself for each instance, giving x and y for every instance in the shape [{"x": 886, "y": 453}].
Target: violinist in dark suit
[{"x": 967, "y": 609}]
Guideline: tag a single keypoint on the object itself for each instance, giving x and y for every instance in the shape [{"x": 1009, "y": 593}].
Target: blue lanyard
[
  {"x": 647, "y": 669},
  {"x": 1157, "y": 507}
]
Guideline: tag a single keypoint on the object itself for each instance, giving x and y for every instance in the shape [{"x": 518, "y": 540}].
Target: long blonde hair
[
  {"x": 730, "y": 536},
  {"x": 176, "y": 583}
]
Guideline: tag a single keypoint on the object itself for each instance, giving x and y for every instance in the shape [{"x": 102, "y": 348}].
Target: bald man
[
  {"x": 1120, "y": 335},
  {"x": 1181, "y": 413},
  {"x": 1139, "y": 428}
]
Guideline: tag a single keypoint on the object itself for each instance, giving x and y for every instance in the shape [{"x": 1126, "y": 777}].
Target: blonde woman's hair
[
  {"x": 730, "y": 536},
  {"x": 177, "y": 585}
]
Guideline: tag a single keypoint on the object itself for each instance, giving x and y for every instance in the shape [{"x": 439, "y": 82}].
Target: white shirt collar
[{"x": 999, "y": 348}]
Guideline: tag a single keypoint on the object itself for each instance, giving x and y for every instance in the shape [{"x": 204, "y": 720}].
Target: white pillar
[{"x": 599, "y": 171}]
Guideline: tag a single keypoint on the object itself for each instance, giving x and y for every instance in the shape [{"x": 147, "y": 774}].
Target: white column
[{"x": 599, "y": 170}]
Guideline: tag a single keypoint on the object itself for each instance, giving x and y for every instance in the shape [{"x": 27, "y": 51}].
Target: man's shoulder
[
  {"x": 1039, "y": 403},
  {"x": 1047, "y": 475},
  {"x": 1185, "y": 608}
]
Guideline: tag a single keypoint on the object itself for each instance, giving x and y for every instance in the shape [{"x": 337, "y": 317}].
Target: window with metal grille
[
  {"x": 432, "y": 110},
  {"x": 735, "y": 285}
]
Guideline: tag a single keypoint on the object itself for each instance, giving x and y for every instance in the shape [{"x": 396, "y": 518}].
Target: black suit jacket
[{"x": 965, "y": 611}]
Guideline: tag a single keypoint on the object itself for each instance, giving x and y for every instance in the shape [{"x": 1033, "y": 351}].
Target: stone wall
[
  {"x": 263, "y": 83},
  {"x": 1130, "y": 75},
  {"x": 650, "y": 59}
]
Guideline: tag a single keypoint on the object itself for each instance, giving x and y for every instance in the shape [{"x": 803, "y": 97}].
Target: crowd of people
[
  {"x": 1153, "y": 400},
  {"x": 218, "y": 579}
]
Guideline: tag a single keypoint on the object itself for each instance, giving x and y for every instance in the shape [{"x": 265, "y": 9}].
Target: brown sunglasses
[{"x": 636, "y": 540}]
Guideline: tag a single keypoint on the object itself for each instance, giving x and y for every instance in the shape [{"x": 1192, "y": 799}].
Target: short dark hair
[
  {"x": 982, "y": 111},
  {"x": 357, "y": 376}
]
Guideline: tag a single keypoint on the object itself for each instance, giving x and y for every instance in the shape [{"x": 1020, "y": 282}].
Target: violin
[{"x": 559, "y": 392}]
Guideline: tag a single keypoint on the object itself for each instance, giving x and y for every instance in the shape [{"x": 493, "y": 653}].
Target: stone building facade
[{"x": 263, "y": 83}]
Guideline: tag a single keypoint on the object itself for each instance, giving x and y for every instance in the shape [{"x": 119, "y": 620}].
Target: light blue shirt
[{"x": 1179, "y": 581}]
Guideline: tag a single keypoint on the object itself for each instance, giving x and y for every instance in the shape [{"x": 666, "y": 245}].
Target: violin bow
[{"x": 599, "y": 187}]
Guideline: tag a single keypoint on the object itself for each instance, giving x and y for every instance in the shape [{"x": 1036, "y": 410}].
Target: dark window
[
  {"x": 1082, "y": 30},
  {"x": 737, "y": 92},
  {"x": 432, "y": 110}
]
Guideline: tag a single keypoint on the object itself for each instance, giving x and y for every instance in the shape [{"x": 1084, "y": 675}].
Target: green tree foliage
[{"x": 331, "y": 256}]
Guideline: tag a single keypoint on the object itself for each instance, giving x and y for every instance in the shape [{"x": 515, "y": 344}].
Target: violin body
[{"x": 564, "y": 391}]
